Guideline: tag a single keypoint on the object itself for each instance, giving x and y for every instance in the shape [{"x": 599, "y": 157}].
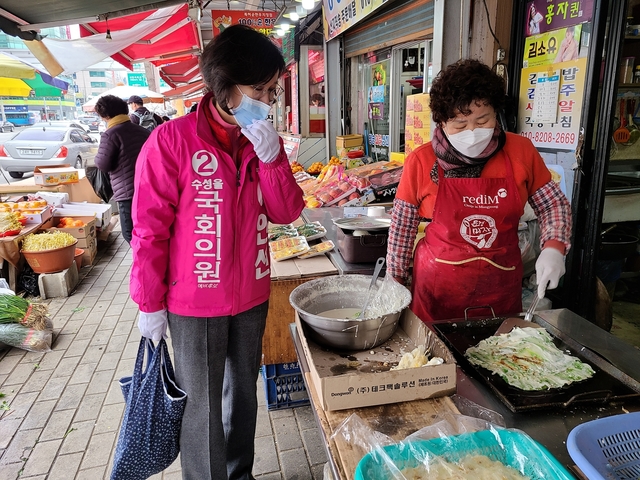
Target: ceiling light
[
  {"x": 294, "y": 16},
  {"x": 280, "y": 32},
  {"x": 308, "y": 4},
  {"x": 285, "y": 26}
]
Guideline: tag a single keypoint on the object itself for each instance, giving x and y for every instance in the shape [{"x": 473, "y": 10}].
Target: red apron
[{"x": 470, "y": 256}]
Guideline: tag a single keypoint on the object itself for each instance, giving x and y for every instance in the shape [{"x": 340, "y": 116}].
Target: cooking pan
[{"x": 602, "y": 388}]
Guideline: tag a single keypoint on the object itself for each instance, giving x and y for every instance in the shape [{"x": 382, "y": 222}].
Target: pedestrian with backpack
[{"x": 141, "y": 115}]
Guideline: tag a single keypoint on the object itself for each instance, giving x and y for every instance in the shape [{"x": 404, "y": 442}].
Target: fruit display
[
  {"x": 296, "y": 167},
  {"x": 70, "y": 222},
  {"x": 33, "y": 207},
  {"x": 310, "y": 201},
  {"x": 315, "y": 168},
  {"x": 335, "y": 191},
  {"x": 334, "y": 161},
  {"x": 330, "y": 171}
]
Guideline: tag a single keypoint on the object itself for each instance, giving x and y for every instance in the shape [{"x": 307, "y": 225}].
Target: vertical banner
[
  {"x": 562, "y": 45},
  {"x": 535, "y": 121}
]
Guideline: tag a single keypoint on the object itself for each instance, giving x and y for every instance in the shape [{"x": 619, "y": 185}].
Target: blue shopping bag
[{"x": 150, "y": 432}]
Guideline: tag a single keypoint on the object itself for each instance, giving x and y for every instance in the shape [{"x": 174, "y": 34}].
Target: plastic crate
[
  {"x": 607, "y": 448},
  {"x": 511, "y": 447},
  {"x": 284, "y": 386}
]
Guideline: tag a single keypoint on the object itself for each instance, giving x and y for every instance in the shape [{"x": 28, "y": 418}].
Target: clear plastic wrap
[
  {"x": 453, "y": 446},
  {"x": 25, "y": 338}
]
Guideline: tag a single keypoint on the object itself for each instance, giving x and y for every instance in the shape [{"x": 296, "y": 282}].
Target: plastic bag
[
  {"x": 25, "y": 338},
  {"x": 101, "y": 183},
  {"x": 4, "y": 288},
  {"x": 28, "y": 281},
  {"x": 452, "y": 444}
]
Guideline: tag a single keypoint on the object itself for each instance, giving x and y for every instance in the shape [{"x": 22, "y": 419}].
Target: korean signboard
[
  {"x": 546, "y": 15},
  {"x": 560, "y": 45},
  {"x": 261, "y": 20},
  {"x": 551, "y": 103},
  {"x": 339, "y": 15},
  {"x": 137, "y": 79}
]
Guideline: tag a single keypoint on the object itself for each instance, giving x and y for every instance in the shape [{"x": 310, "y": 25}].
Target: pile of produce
[
  {"x": 296, "y": 167},
  {"x": 18, "y": 310},
  {"x": 70, "y": 222},
  {"x": 9, "y": 224},
  {"x": 39, "y": 242},
  {"x": 315, "y": 168}
]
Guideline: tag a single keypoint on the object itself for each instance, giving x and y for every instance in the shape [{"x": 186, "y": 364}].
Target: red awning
[
  {"x": 186, "y": 91},
  {"x": 181, "y": 72},
  {"x": 177, "y": 38}
]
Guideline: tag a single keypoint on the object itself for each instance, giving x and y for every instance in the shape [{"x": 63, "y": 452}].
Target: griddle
[{"x": 602, "y": 388}]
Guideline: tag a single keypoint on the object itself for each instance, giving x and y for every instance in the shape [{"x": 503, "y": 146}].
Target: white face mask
[{"x": 471, "y": 143}]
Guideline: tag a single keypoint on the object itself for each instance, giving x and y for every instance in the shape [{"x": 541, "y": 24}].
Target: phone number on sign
[{"x": 550, "y": 137}]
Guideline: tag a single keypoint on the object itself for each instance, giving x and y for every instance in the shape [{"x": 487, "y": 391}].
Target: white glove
[
  {"x": 549, "y": 269},
  {"x": 265, "y": 140},
  {"x": 153, "y": 325}
]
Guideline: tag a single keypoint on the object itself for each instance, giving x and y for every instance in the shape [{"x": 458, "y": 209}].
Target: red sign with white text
[{"x": 261, "y": 20}]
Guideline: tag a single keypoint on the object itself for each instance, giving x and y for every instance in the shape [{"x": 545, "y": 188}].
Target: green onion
[{"x": 14, "y": 309}]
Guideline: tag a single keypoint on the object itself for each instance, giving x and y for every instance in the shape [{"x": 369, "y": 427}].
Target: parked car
[
  {"x": 44, "y": 144},
  {"x": 91, "y": 121},
  {"x": 69, "y": 124},
  {"x": 6, "y": 126}
]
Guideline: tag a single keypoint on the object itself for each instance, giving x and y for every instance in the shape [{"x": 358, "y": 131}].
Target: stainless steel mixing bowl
[{"x": 349, "y": 291}]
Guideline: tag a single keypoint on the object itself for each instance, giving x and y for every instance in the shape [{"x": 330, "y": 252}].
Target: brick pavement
[{"x": 65, "y": 406}]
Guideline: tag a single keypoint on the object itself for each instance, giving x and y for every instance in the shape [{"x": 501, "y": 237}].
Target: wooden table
[{"x": 286, "y": 275}]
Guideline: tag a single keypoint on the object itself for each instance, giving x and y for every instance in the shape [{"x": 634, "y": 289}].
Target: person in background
[
  {"x": 141, "y": 115},
  {"x": 317, "y": 100},
  {"x": 120, "y": 145},
  {"x": 207, "y": 186},
  {"x": 473, "y": 181}
]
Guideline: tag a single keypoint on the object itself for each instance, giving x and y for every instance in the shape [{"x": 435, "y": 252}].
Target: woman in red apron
[{"x": 472, "y": 181}]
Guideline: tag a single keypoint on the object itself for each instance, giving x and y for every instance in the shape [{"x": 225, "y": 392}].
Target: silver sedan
[{"x": 46, "y": 145}]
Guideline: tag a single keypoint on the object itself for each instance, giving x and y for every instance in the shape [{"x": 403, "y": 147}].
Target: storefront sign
[
  {"x": 137, "y": 80},
  {"x": 546, "y": 15},
  {"x": 295, "y": 107},
  {"x": 340, "y": 15},
  {"x": 376, "y": 111},
  {"x": 563, "y": 133},
  {"x": 556, "y": 46},
  {"x": 261, "y": 20},
  {"x": 545, "y": 100},
  {"x": 376, "y": 94}
]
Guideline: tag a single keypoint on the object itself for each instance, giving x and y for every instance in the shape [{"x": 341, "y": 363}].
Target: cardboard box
[
  {"x": 90, "y": 251},
  {"x": 102, "y": 211},
  {"x": 44, "y": 215},
  {"x": 55, "y": 174},
  {"x": 362, "y": 385},
  {"x": 84, "y": 234},
  {"x": 346, "y": 141}
]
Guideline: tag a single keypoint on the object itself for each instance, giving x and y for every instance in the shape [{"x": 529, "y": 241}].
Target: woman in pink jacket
[{"x": 207, "y": 185}]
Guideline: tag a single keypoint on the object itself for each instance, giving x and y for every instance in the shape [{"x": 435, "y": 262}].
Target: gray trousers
[{"x": 217, "y": 361}]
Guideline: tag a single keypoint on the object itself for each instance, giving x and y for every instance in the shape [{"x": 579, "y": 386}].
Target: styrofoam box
[{"x": 102, "y": 211}]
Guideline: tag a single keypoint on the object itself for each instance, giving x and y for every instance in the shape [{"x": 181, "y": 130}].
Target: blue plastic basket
[
  {"x": 284, "y": 386},
  {"x": 607, "y": 448},
  {"x": 510, "y": 447}
]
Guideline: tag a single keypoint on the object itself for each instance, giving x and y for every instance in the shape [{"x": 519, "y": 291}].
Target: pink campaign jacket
[{"x": 200, "y": 244}]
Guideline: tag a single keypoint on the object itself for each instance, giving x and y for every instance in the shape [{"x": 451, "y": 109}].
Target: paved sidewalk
[{"x": 61, "y": 411}]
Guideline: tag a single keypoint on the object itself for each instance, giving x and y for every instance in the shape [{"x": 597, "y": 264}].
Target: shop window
[{"x": 316, "y": 92}]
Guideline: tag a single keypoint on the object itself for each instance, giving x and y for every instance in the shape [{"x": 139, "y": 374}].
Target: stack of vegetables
[
  {"x": 18, "y": 310},
  {"x": 9, "y": 224},
  {"x": 39, "y": 242}
]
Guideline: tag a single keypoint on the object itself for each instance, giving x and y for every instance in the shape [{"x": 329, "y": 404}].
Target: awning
[
  {"x": 180, "y": 72},
  {"x": 176, "y": 37},
  {"x": 186, "y": 91}
]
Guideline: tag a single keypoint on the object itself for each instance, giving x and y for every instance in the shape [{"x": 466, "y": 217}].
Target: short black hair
[
  {"x": 110, "y": 106},
  {"x": 240, "y": 55},
  {"x": 462, "y": 83}
]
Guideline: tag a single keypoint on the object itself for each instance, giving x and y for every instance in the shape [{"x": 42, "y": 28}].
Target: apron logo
[
  {"x": 479, "y": 230},
  {"x": 502, "y": 193}
]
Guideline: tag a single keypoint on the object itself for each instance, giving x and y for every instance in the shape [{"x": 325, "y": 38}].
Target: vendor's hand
[
  {"x": 153, "y": 325},
  {"x": 549, "y": 269},
  {"x": 265, "y": 140}
]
